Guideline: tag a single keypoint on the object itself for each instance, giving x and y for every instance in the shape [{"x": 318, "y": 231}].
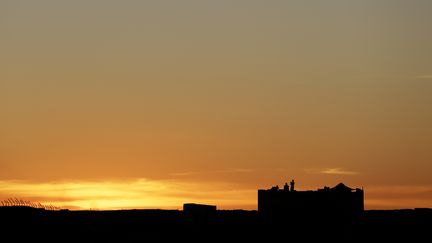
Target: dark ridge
[{"x": 24, "y": 223}]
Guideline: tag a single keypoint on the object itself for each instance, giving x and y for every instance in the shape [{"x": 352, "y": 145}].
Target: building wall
[{"x": 310, "y": 202}]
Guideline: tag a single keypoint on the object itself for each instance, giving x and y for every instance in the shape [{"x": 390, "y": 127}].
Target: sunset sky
[{"x": 150, "y": 104}]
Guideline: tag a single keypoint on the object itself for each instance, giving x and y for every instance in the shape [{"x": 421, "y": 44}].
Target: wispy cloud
[
  {"x": 185, "y": 173},
  {"x": 338, "y": 171},
  {"x": 225, "y": 171},
  {"x": 234, "y": 170},
  {"x": 330, "y": 171}
]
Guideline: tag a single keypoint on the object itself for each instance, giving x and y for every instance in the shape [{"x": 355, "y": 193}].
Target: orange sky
[{"x": 119, "y": 104}]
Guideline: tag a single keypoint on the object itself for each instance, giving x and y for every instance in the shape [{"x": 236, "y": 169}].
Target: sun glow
[{"x": 140, "y": 193}]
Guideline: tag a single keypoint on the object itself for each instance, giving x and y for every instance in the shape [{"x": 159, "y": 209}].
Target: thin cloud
[
  {"x": 186, "y": 173},
  {"x": 338, "y": 171},
  {"x": 234, "y": 170},
  {"x": 330, "y": 171},
  {"x": 226, "y": 171}
]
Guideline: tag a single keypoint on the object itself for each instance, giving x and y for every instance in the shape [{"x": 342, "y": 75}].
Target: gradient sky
[{"x": 117, "y": 104}]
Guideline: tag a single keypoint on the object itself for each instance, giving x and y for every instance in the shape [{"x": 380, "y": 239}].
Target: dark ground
[{"x": 20, "y": 224}]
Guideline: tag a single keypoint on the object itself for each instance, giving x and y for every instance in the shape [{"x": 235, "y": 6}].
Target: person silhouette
[
  {"x": 286, "y": 187},
  {"x": 292, "y": 185}
]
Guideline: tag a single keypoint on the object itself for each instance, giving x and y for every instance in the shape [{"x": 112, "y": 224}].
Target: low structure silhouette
[
  {"x": 198, "y": 208},
  {"x": 337, "y": 201}
]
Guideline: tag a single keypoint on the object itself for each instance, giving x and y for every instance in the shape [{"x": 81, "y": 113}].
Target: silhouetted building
[
  {"x": 339, "y": 200},
  {"x": 199, "y": 213},
  {"x": 198, "y": 208}
]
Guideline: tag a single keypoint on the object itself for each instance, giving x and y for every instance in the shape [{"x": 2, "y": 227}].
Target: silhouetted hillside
[{"x": 24, "y": 223}]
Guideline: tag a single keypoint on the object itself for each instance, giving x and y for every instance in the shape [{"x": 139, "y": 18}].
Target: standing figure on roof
[
  {"x": 292, "y": 185},
  {"x": 286, "y": 187}
]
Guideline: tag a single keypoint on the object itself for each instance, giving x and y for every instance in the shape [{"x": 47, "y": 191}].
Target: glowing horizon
[
  {"x": 172, "y": 194},
  {"x": 129, "y": 194}
]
